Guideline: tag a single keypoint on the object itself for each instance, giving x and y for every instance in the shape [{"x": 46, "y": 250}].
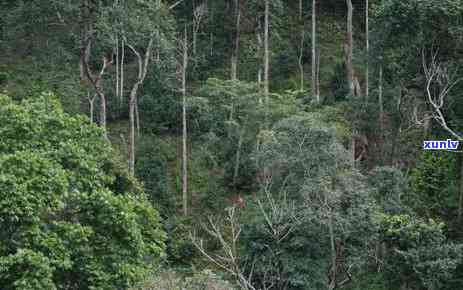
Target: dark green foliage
[
  {"x": 434, "y": 184},
  {"x": 151, "y": 166},
  {"x": 297, "y": 261},
  {"x": 418, "y": 254},
  {"x": 390, "y": 186},
  {"x": 69, "y": 214}
]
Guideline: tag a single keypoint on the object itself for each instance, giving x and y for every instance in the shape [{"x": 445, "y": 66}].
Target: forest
[{"x": 231, "y": 144}]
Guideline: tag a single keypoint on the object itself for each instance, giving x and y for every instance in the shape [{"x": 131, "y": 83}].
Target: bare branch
[{"x": 436, "y": 72}]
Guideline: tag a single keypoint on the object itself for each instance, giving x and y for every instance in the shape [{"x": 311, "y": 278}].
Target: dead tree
[
  {"x": 439, "y": 82},
  {"x": 182, "y": 67},
  {"x": 228, "y": 259},
  {"x": 198, "y": 14}
]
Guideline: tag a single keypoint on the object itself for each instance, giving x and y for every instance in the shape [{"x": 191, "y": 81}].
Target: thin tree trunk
[
  {"x": 137, "y": 117},
  {"x": 117, "y": 69},
  {"x": 103, "y": 111},
  {"x": 314, "y": 52},
  {"x": 121, "y": 94},
  {"x": 238, "y": 157},
  {"x": 184, "y": 126},
  {"x": 91, "y": 102},
  {"x": 333, "y": 250},
  {"x": 212, "y": 44},
  {"x": 235, "y": 53},
  {"x": 349, "y": 49},
  {"x": 318, "y": 73},
  {"x": 266, "y": 51},
  {"x": 352, "y": 147},
  {"x": 380, "y": 98},
  {"x": 259, "y": 51},
  {"x": 367, "y": 38},
  {"x": 301, "y": 47},
  {"x": 143, "y": 63},
  {"x": 132, "y": 100}
]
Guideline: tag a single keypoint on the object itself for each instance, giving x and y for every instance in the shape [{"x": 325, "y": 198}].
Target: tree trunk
[
  {"x": 315, "y": 93},
  {"x": 142, "y": 71},
  {"x": 349, "y": 49},
  {"x": 235, "y": 53},
  {"x": 137, "y": 117},
  {"x": 367, "y": 38},
  {"x": 117, "y": 69},
  {"x": 259, "y": 51},
  {"x": 238, "y": 157},
  {"x": 121, "y": 94},
  {"x": 301, "y": 47},
  {"x": 103, "y": 111},
  {"x": 318, "y": 74},
  {"x": 380, "y": 99},
  {"x": 132, "y": 100},
  {"x": 266, "y": 51},
  {"x": 184, "y": 127}
]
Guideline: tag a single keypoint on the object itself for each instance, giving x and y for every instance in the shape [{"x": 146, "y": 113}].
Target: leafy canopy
[{"x": 67, "y": 216}]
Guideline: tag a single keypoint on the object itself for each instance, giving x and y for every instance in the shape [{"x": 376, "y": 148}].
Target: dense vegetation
[{"x": 230, "y": 144}]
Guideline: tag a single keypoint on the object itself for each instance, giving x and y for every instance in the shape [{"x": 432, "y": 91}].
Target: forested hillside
[{"x": 231, "y": 144}]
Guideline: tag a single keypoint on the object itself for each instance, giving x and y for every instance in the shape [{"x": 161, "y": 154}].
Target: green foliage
[
  {"x": 419, "y": 253},
  {"x": 151, "y": 166},
  {"x": 204, "y": 280},
  {"x": 390, "y": 186},
  {"x": 434, "y": 184},
  {"x": 299, "y": 260},
  {"x": 67, "y": 212}
]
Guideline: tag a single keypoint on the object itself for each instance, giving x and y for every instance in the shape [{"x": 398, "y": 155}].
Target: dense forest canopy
[{"x": 231, "y": 144}]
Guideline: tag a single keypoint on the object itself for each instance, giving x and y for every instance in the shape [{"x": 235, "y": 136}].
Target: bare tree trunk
[
  {"x": 137, "y": 117},
  {"x": 353, "y": 149},
  {"x": 195, "y": 32},
  {"x": 91, "y": 102},
  {"x": 314, "y": 52},
  {"x": 259, "y": 51},
  {"x": 143, "y": 63},
  {"x": 349, "y": 49},
  {"x": 96, "y": 79},
  {"x": 211, "y": 44},
  {"x": 318, "y": 73},
  {"x": 117, "y": 69},
  {"x": 235, "y": 53},
  {"x": 367, "y": 38},
  {"x": 132, "y": 100},
  {"x": 266, "y": 51},
  {"x": 301, "y": 47},
  {"x": 238, "y": 157},
  {"x": 380, "y": 99},
  {"x": 332, "y": 245},
  {"x": 184, "y": 126},
  {"x": 121, "y": 94}
]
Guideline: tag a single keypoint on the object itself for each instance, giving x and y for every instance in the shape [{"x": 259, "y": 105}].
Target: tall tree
[
  {"x": 301, "y": 46},
  {"x": 236, "y": 48},
  {"x": 184, "y": 66},
  {"x": 315, "y": 89},
  {"x": 367, "y": 40},
  {"x": 266, "y": 49},
  {"x": 143, "y": 62},
  {"x": 349, "y": 49}
]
